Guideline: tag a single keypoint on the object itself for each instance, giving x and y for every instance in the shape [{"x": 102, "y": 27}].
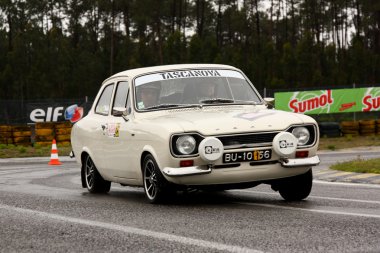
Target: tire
[
  {"x": 368, "y": 134},
  {"x": 22, "y": 133},
  {"x": 368, "y": 122},
  {"x": 94, "y": 181},
  {"x": 66, "y": 124},
  {"x": 63, "y": 131},
  {"x": 157, "y": 189},
  {"x": 353, "y": 134},
  {"x": 297, "y": 188},
  {"x": 367, "y": 131},
  {"x": 21, "y": 140},
  {"x": 44, "y": 125},
  {"x": 43, "y": 143},
  {"x": 20, "y": 128},
  {"x": 345, "y": 129},
  {"x": 44, "y": 132},
  {"x": 350, "y": 131},
  {"x": 331, "y": 133},
  {"x": 329, "y": 129},
  {"x": 5, "y": 134},
  {"x": 350, "y": 124},
  {"x": 65, "y": 137},
  {"x": 46, "y": 138},
  {"x": 5, "y": 128},
  {"x": 329, "y": 126},
  {"x": 368, "y": 127},
  {"x": 64, "y": 143},
  {"x": 5, "y": 140}
]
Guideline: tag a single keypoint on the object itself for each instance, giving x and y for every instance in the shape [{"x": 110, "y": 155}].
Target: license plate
[{"x": 247, "y": 156}]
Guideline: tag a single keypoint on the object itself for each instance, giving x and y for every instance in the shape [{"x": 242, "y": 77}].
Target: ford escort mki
[{"x": 194, "y": 126}]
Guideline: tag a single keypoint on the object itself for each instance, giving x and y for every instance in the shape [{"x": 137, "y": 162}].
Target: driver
[
  {"x": 207, "y": 91},
  {"x": 193, "y": 93},
  {"x": 149, "y": 95}
]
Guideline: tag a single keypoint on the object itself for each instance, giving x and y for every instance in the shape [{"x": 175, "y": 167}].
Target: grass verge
[
  {"x": 12, "y": 151},
  {"x": 348, "y": 142},
  {"x": 359, "y": 165}
]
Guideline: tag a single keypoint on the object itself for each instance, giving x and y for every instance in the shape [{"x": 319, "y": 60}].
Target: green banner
[{"x": 329, "y": 101}]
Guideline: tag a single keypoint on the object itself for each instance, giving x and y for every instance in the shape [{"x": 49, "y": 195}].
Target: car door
[
  {"x": 117, "y": 146},
  {"x": 98, "y": 126}
]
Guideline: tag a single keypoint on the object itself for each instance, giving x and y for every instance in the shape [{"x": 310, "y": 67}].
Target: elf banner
[{"x": 329, "y": 101}]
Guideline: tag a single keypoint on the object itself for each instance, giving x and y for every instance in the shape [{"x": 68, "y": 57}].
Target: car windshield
[{"x": 193, "y": 88}]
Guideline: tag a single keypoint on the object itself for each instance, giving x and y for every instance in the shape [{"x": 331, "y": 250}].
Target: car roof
[{"x": 139, "y": 71}]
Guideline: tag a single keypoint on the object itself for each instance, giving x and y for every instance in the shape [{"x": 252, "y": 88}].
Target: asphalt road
[{"x": 44, "y": 209}]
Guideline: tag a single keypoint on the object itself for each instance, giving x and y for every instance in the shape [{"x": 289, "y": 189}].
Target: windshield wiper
[
  {"x": 217, "y": 101},
  {"x": 172, "y": 105},
  {"x": 162, "y": 106},
  {"x": 247, "y": 102}
]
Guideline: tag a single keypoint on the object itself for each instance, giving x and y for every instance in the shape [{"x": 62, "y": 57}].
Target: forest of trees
[{"x": 66, "y": 48}]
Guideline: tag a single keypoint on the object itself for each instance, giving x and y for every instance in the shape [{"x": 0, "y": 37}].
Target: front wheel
[
  {"x": 296, "y": 188},
  {"x": 157, "y": 189},
  {"x": 93, "y": 180}
]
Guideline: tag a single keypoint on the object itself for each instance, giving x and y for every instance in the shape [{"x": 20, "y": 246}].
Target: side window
[
  {"x": 121, "y": 95},
  {"x": 103, "y": 105},
  {"x": 129, "y": 104}
]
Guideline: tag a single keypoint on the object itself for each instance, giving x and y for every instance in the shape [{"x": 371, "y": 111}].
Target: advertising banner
[
  {"x": 43, "y": 110},
  {"x": 55, "y": 112},
  {"x": 329, "y": 101}
]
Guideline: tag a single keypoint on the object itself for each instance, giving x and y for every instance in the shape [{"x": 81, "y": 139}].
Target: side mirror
[
  {"x": 125, "y": 114},
  {"x": 269, "y": 102},
  {"x": 119, "y": 111}
]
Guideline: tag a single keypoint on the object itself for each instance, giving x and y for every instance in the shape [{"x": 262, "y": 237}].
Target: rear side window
[
  {"x": 103, "y": 105},
  {"x": 121, "y": 95}
]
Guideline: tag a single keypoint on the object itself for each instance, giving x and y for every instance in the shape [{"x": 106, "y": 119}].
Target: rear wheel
[
  {"x": 93, "y": 180},
  {"x": 297, "y": 187},
  {"x": 157, "y": 188}
]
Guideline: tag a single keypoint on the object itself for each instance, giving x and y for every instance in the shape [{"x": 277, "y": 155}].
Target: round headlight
[
  {"x": 302, "y": 134},
  {"x": 186, "y": 144}
]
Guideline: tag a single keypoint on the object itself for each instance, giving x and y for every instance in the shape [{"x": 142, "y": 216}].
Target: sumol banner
[{"x": 329, "y": 101}]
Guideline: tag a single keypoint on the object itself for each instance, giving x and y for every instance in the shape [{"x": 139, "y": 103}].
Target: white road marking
[
  {"x": 312, "y": 210},
  {"x": 363, "y": 152},
  {"x": 347, "y": 184},
  {"x": 135, "y": 231},
  {"x": 348, "y": 200},
  {"x": 314, "y": 197}
]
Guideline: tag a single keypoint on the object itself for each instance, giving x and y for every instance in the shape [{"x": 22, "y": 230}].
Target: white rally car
[{"x": 193, "y": 126}]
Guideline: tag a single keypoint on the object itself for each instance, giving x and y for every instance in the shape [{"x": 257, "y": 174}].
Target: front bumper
[
  {"x": 186, "y": 171},
  {"x": 309, "y": 161},
  {"x": 199, "y": 170}
]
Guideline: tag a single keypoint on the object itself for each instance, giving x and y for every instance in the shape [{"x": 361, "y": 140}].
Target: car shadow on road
[{"x": 202, "y": 198}]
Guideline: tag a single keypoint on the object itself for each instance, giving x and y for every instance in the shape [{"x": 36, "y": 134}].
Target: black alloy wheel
[
  {"x": 93, "y": 180},
  {"x": 156, "y": 187}
]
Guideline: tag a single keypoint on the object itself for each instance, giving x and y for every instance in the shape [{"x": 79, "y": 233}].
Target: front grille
[{"x": 247, "y": 140}]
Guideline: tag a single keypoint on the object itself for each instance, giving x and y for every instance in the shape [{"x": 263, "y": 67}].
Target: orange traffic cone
[{"x": 54, "y": 154}]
